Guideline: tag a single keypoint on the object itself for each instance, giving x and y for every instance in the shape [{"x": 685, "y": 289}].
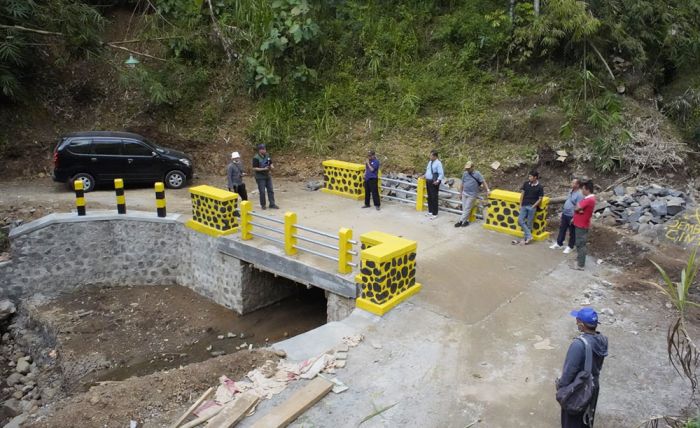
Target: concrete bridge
[{"x": 482, "y": 341}]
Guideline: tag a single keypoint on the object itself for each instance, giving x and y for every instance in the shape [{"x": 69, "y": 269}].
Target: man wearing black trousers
[
  {"x": 371, "y": 179},
  {"x": 567, "y": 216},
  {"x": 434, "y": 175}
]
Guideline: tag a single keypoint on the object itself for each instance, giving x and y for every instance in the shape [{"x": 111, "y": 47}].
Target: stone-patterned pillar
[
  {"x": 503, "y": 211},
  {"x": 387, "y": 271}
]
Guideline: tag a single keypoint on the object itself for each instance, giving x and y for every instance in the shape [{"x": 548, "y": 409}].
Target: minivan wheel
[
  {"x": 175, "y": 179},
  {"x": 87, "y": 179}
]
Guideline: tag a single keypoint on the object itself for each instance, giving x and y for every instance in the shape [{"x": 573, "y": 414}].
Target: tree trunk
[
  {"x": 536, "y": 6},
  {"x": 511, "y": 10},
  {"x": 225, "y": 42}
]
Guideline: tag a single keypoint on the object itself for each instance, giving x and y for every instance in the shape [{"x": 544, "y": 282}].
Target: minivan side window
[
  {"x": 80, "y": 147},
  {"x": 107, "y": 147},
  {"x": 133, "y": 148}
]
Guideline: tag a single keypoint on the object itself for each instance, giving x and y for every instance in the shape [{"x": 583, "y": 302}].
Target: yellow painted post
[
  {"x": 344, "y": 246},
  {"x": 160, "y": 199},
  {"x": 121, "y": 199},
  {"x": 420, "y": 194},
  {"x": 290, "y": 233},
  {"x": 246, "y": 218},
  {"x": 79, "y": 196}
]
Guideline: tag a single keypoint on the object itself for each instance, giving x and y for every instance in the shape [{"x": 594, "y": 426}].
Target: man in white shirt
[{"x": 434, "y": 175}]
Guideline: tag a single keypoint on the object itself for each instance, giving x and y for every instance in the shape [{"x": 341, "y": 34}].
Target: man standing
[
  {"x": 472, "y": 182},
  {"x": 582, "y": 222},
  {"x": 234, "y": 174},
  {"x": 371, "y": 178},
  {"x": 531, "y": 195},
  {"x": 586, "y": 322},
  {"x": 434, "y": 174},
  {"x": 262, "y": 164},
  {"x": 567, "y": 216}
]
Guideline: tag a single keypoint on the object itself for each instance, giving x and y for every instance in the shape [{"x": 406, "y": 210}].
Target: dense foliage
[{"x": 316, "y": 66}]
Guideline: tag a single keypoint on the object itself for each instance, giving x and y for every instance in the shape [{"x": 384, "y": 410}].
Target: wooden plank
[
  {"x": 294, "y": 406},
  {"x": 193, "y": 407},
  {"x": 233, "y": 412}
]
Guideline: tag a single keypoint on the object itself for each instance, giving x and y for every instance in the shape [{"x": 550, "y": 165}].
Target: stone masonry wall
[{"x": 61, "y": 252}]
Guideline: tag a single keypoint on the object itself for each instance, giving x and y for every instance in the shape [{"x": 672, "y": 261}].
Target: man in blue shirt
[
  {"x": 472, "y": 182},
  {"x": 434, "y": 174},
  {"x": 575, "y": 196},
  {"x": 371, "y": 178}
]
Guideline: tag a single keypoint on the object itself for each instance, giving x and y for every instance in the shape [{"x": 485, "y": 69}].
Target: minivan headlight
[{"x": 186, "y": 161}]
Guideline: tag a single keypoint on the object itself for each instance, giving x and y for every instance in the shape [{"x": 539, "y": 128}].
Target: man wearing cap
[
  {"x": 586, "y": 322},
  {"x": 371, "y": 178},
  {"x": 234, "y": 173},
  {"x": 472, "y": 182},
  {"x": 262, "y": 164}
]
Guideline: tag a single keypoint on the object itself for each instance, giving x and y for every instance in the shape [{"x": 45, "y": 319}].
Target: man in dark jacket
[
  {"x": 587, "y": 322},
  {"x": 262, "y": 165},
  {"x": 234, "y": 175}
]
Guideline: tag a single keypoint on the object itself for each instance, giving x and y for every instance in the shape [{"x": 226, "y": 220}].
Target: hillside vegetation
[{"x": 483, "y": 80}]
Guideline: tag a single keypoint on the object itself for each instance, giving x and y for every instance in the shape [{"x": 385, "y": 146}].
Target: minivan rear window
[
  {"x": 80, "y": 147},
  {"x": 108, "y": 147}
]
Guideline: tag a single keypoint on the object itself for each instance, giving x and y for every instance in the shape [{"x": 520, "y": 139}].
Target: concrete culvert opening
[{"x": 93, "y": 335}]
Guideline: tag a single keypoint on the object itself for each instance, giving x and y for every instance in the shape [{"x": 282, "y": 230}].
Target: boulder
[
  {"x": 646, "y": 218},
  {"x": 633, "y": 214},
  {"x": 23, "y": 366},
  {"x": 619, "y": 191},
  {"x": 659, "y": 208},
  {"x": 314, "y": 185},
  {"x": 7, "y": 308},
  {"x": 601, "y": 206},
  {"x": 14, "y": 379},
  {"x": 675, "y": 205},
  {"x": 644, "y": 201}
]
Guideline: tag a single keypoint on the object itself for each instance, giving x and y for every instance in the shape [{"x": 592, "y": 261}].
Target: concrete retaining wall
[{"x": 61, "y": 252}]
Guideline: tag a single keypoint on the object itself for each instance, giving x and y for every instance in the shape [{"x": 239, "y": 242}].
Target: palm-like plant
[{"x": 682, "y": 351}]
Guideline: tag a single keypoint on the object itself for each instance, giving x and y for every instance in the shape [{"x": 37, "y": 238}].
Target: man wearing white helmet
[{"x": 234, "y": 173}]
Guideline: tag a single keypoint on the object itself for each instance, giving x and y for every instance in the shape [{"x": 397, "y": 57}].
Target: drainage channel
[{"x": 94, "y": 335}]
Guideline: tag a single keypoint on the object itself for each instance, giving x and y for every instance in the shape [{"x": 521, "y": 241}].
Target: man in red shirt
[{"x": 582, "y": 222}]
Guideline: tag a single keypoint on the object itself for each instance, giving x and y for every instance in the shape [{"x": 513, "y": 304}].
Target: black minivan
[{"x": 102, "y": 156}]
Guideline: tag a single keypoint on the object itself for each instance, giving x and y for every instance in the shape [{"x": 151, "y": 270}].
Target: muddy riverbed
[{"x": 93, "y": 337}]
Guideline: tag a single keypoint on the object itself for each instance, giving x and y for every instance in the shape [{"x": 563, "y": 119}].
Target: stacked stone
[
  {"x": 639, "y": 208},
  {"x": 21, "y": 386}
]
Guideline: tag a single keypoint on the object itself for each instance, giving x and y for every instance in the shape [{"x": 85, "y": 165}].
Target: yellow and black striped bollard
[
  {"x": 79, "y": 196},
  {"x": 121, "y": 199},
  {"x": 160, "y": 199}
]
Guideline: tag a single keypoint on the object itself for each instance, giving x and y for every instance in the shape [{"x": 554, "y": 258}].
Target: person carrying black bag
[
  {"x": 583, "y": 363},
  {"x": 434, "y": 175}
]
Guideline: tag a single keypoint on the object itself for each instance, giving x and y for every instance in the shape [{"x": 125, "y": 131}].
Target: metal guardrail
[{"x": 342, "y": 243}]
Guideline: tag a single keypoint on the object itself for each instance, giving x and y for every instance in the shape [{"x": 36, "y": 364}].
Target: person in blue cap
[{"x": 587, "y": 323}]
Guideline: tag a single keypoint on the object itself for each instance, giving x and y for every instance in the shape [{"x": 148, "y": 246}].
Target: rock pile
[
  {"x": 22, "y": 388},
  {"x": 639, "y": 208}
]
